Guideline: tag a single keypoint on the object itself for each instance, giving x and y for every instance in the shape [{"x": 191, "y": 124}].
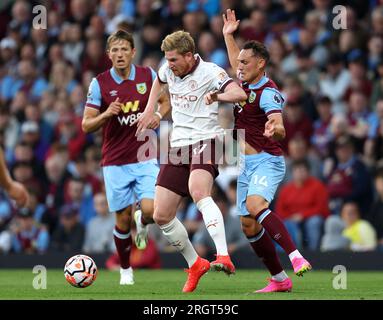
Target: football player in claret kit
[
  {"x": 116, "y": 98},
  {"x": 263, "y": 165},
  {"x": 194, "y": 86}
]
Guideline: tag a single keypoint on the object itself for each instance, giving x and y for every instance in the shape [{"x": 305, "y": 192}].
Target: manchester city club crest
[
  {"x": 252, "y": 96},
  {"x": 141, "y": 88}
]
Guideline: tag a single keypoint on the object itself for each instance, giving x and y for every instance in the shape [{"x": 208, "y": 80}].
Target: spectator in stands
[
  {"x": 207, "y": 47},
  {"x": 348, "y": 178},
  {"x": 69, "y": 235},
  {"x": 77, "y": 196},
  {"x": 333, "y": 238},
  {"x": 57, "y": 174},
  {"x": 33, "y": 113},
  {"x": 5, "y": 210},
  {"x": 95, "y": 58},
  {"x": 358, "y": 72},
  {"x": 298, "y": 151},
  {"x": 335, "y": 83},
  {"x": 23, "y": 173},
  {"x": 296, "y": 122},
  {"x": 21, "y": 17},
  {"x": 27, "y": 80},
  {"x": 377, "y": 88},
  {"x": 73, "y": 46},
  {"x": 360, "y": 232},
  {"x": 27, "y": 235},
  {"x": 375, "y": 216},
  {"x": 296, "y": 89},
  {"x": 11, "y": 128},
  {"x": 303, "y": 205},
  {"x": 373, "y": 147},
  {"x": 322, "y": 134},
  {"x": 99, "y": 230},
  {"x": 69, "y": 133},
  {"x": 8, "y": 47},
  {"x": 38, "y": 209},
  {"x": 360, "y": 119},
  {"x": 30, "y": 134}
]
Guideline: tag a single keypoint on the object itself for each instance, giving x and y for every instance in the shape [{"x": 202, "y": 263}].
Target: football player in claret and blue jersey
[
  {"x": 260, "y": 116},
  {"x": 116, "y": 98}
]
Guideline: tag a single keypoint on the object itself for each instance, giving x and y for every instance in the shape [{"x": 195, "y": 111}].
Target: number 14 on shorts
[{"x": 262, "y": 180}]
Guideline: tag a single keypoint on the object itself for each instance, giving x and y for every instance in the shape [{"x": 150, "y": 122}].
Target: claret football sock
[
  {"x": 176, "y": 234},
  {"x": 264, "y": 248},
  {"x": 214, "y": 223},
  {"x": 123, "y": 241},
  {"x": 276, "y": 229}
]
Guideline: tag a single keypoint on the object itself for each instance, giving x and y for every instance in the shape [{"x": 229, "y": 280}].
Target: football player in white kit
[{"x": 195, "y": 88}]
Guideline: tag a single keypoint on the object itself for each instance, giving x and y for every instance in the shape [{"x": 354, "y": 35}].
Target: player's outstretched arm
[
  {"x": 232, "y": 93},
  {"x": 274, "y": 127},
  {"x": 230, "y": 25},
  {"x": 93, "y": 120},
  {"x": 14, "y": 189}
]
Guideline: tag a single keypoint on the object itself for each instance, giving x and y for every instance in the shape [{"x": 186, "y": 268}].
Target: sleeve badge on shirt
[
  {"x": 141, "y": 87},
  {"x": 277, "y": 99},
  {"x": 252, "y": 96}
]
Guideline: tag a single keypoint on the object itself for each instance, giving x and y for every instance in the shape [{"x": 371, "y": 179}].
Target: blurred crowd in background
[{"x": 332, "y": 79}]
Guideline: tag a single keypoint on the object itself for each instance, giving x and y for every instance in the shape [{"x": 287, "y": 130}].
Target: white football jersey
[{"x": 193, "y": 120}]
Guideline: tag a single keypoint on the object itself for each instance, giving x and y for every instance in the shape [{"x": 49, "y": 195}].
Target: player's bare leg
[
  {"x": 200, "y": 185},
  {"x": 123, "y": 241},
  {"x": 143, "y": 217},
  {"x": 165, "y": 206},
  {"x": 259, "y": 209},
  {"x": 264, "y": 248}
]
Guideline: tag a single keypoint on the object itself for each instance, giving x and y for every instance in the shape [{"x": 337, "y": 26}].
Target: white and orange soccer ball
[{"x": 80, "y": 271}]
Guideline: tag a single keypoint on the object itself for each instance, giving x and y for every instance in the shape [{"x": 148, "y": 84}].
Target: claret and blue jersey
[
  {"x": 261, "y": 173},
  {"x": 251, "y": 115},
  {"x": 119, "y": 142}
]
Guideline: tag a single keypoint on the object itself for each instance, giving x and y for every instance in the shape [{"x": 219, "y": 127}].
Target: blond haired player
[{"x": 195, "y": 88}]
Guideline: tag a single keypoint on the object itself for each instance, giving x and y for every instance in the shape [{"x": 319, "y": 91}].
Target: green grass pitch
[{"x": 167, "y": 284}]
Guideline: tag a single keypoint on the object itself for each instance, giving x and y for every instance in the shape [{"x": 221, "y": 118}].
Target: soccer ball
[{"x": 80, "y": 271}]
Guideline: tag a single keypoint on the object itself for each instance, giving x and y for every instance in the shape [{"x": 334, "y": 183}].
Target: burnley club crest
[{"x": 141, "y": 88}]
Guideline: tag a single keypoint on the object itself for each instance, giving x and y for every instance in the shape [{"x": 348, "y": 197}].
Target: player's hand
[
  {"x": 230, "y": 23},
  {"x": 211, "y": 97},
  {"x": 114, "y": 108},
  {"x": 143, "y": 122},
  {"x": 155, "y": 122},
  {"x": 269, "y": 128},
  {"x": 18, "y": 193}
]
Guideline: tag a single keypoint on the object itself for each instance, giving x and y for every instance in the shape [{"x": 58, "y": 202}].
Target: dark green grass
[{"x": 167, "y": 284}]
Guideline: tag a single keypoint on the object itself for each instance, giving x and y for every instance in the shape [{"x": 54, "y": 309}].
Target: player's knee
[
  {"x": 198, "y": 194},
  {"x": 160, "y": 217},
  {"x": 247, "y": 226},
  {"x": 256, "y": 205},
  {"x": 147, "y": 212},
  {"x": 123, "y": 219}
]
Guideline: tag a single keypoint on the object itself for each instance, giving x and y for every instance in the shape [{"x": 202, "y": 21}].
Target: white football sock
[
  {"x": 213, "y": 219},
  {"x": 176, "y": 234},
  {"x": 280, "y": 276},
  {"x": 295, "y": 254}
]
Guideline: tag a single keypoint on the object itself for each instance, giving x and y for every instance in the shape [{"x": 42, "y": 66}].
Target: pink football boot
[
  {"x": 301, "y": 265},
  {"x": 277, "y": 286}
]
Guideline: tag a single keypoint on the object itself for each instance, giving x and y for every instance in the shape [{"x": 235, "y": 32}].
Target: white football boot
[
  {"x": 141, "y": 238},
  {"x": 126, "y": 276}
]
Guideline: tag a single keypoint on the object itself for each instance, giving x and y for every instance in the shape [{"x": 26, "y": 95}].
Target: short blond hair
[
  {"x": 181, "y": 41},
  {"x": 120, "y": 35}
]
